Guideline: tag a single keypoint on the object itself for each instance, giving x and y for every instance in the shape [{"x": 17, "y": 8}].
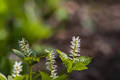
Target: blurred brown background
[{"x": 98, "y": 25}]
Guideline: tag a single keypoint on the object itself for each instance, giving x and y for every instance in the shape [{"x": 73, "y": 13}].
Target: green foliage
[
  {"x": 66, "y": 61},
  {"x": 26, "y": 18},
  {"x": 10, "y": 78},
  {"x": 2, "y": 77},
  {"x": 31, "y": 60},
  {"x": 62, "y": 77},
  {"x": 79, "y": 63},
  {"x": 40, "y": 50},
  {"x": 74, "y": 63},
  {"x": 46, "y": 76},
  {"x": 18, "y": 53},
  {"x": 78, "y": 66},
  {"x": 3, "y": 6},
  {"x": 19, "y": 78},
  {"x": 83, "y": 59}
]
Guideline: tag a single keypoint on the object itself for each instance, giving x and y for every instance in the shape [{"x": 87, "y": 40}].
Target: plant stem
[
  {"x": 75, "y": 47},
  {"x": 30, "y": 74}
]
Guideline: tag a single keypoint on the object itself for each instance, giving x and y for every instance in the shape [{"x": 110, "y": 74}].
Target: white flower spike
[
  {"x": 17, "y": 68},
  {"x": 75, "y": 46},
  {"x": 25, "y": 47},
  {"x": 51, "y": 64}
]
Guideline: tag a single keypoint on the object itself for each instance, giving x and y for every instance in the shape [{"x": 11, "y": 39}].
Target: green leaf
[
  {"x": 62, "y": 77},
  {"x": 31, "y": 60},
  {"x": 69, "y": 64},
  {"x": 80, "y": 63},
  {"x": 79, "y": 66},
  {"x": 19, "y": 78},
  {"x": 66, "y": 61},
  {"x": 33, "y": 53},
  {"x": 45, "y": 76},
  {"x": 83, "y": 59},
  {"x": 3, "y": 6},
  {"x": 10, "y": 78},
  {"x": 18, "y": 53},
  {"x": 62, "y": 55},
  {"x": 2, "y": 77}
]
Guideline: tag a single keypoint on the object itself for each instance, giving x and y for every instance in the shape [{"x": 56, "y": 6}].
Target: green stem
[
  {"x": 30, "y": 74},
  {"x": 37, "y": 75},
  {"x": 51, "y": 63},
  {"x": 74, "y": 53},
  {"x": 74, "y": 50}
]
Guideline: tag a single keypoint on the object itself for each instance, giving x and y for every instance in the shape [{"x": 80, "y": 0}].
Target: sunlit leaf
[
  {"x": 66, "y": 61},
  {"x": 19, "y": 78},
  {"x": 79, "y": 66},
  {"x": 2, "y": 77},
  {"x": 10, "y": 78},
  {"x": 83, "y": 59},
  {"x": 3, "y": 6}
]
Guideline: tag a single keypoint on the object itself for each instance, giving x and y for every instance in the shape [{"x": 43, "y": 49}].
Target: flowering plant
[{"x": 72, "y": 62}]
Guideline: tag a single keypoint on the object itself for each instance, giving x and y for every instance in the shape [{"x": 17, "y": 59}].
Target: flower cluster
[
  {"x": 73, "y": 62},
  {"x": 17, "y": 68},
  {"x": 51, "y": 63},
  {"x": 25, "y": 47},
  {"x": 75, "y": 47}
]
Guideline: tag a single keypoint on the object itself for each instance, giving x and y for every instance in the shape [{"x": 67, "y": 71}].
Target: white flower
[
  {"x": 75, "y": 46},
  {"x": 50, "y": 63},
  {"x": 17, "y": 68},
  {"x": 25, "y": 47}
]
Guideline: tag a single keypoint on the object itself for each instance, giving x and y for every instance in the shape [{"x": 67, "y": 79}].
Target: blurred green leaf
[
  {"x": 61, "y": 14},
  {"x": 31, "y": 60},
  {"x": 2, "y": 77},
  {"x": 10, "y": 78},
  {"x": 15, "y": 23},
  {"x": 40, "y": 50},
  {"x": 3, "y": 34},
  {"x": 18, "y": 53},
  {"x": 53, "y": 3},
  {"x": 3, "y": 6},
  {"x": 19, "y": 78},
  {"x": 34, "y": 31},
  {"x": 45, "y": 76}
]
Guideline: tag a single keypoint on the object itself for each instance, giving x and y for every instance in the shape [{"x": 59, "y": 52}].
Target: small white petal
[{"x": 73, "y": 38}]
